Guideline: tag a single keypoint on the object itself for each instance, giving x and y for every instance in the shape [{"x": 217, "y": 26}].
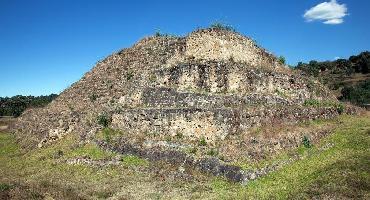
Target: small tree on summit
[
  {"x": 222, "y": 26},
  {"x": 281, "y": 60}
]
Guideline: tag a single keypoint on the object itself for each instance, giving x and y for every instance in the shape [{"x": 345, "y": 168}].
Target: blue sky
[{"x": 46, "y": 45}]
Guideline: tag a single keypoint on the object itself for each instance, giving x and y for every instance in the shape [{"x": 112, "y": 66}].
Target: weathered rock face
[
  {"x": 218, "y": 46},
  {"x": 211, "y": 84}
]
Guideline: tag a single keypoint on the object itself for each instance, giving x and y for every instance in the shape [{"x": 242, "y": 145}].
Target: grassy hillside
[
  {"x": 343, "y": 75},
  {"x": 338, "y": 167}
]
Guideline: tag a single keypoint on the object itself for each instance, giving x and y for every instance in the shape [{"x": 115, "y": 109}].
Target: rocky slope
[{"x": 209, "y": 90}]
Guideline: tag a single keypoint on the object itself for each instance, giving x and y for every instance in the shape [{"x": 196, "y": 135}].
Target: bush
[
  {"x": 282, "y": 60},
  {"x": 212, "y": 152},
  {"x": 359, "y": 94},
  {"x": 129, "y": 75},
  {"x": 152, "y": 78},
  {"x": 193, "y": 150},
  {"x": 179, "y": 135},
  {"x": 93, "y": 97},
  {"x": 202, "y": 142},
  {"x": 104, "y": 120},
  {"x": 340, "y": 108},
  {"x": 4, "y": 187},
  {"x": 312, "y": 68},
  {"x": 158, "y": 33},
  {"x": 306, "y": 142}
]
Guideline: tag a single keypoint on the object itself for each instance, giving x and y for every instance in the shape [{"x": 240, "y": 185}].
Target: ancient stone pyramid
[{"x": 173, "y": 92}]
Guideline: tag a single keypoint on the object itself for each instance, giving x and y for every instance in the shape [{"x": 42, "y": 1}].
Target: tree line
[
  {"x": 355, "y": 64},
  {"x": 333, "y": 74},
  {"x": 359, "y": 94},
  {"x": 14, "y": 106}
]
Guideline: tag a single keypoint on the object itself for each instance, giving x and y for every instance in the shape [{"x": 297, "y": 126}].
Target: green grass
[
  {"x": 339, "y": 172},
  {"x": 245, "y": 165},
  {"x": 92, "y": 151},
  {"x": 281, "y": 93},
  {"x": 306, "y": 148},
  {"x": 39, "y": 170},
  {"x": 212, "y": 152},
  {"x": 131, "y": 160},
  {"x": 317, "y": 103},
  {"x": 4, "y": 187},
  {"x": 108, "y": 134},
  {"x": 8, "y": 147},
  {"x": 202, "y": 142}
]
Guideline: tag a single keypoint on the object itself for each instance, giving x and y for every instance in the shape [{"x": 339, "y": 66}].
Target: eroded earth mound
[{"x": 198, "y": 101}]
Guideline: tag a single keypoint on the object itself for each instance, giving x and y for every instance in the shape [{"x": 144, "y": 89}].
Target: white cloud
[
  {"x": 328, "y": 12},
  {"x": 333, "y": 21}
]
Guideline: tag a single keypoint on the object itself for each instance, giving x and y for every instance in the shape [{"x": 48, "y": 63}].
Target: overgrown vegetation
[
  {"x": 318, "y": 103},
  {"x": 108, "y": 134},
  {"x": 355, "y": 64},
  {"x": 359, "y": 94},
  {"x": 14, "y": 106},
  {"x": 349, "y": 78},
  {"x": 338, "y": 172},
  {"x": 335, "y": 168}
]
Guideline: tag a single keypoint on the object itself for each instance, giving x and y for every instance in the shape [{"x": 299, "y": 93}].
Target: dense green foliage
[
  {"x": 14, "y": 106},
  {"x": 348, "y": 77},
  {"x": 355, "y": 64},
  {"x": 358, "y": 95}
]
